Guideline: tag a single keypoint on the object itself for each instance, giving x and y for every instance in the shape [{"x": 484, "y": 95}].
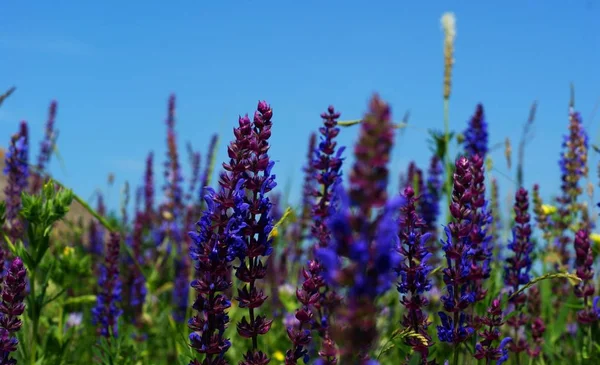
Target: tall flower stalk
[
  {"x": 517, "y": 268},
  {"x": 107, "y": 311},
  {"x": 366, "y": 241},
  {"x": 17, "y": 171},
  {"x": 14, "y": 287},
  {"x": 456, "y": 275},
  {"x": 46, "y": 148},
  {"x": 414, "y": 274}
]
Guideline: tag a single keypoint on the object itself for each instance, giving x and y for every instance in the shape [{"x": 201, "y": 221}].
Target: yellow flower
[
  {"x": 68, "y": 250},
  {"x": 278, "y": 355},
  {"x": 595, "y": 237},
  {"x": 548, "y": 209},
  {"x": 274, "y": 233}
]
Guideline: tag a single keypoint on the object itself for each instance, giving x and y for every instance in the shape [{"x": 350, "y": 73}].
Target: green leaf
[{"x": 573, "y": 280}]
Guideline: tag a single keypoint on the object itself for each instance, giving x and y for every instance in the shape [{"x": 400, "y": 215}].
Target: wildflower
[
  {"x": 74, "y": 319},
  {"x": 537, "y": 326},
  {"x": 413, "y": 178},
  {"x": 548, "y": 209},
  {"x": 584, "y": 262},
  {"x": 430, "y": 202},
  {"x": 458, "y": 258},
  {"x": 496, "y": 226},
  {"x": 195, "y": 160},
  {"x": 107, "y": 311},
  {"x": 256, "y": 241},
  {"x": 516, "y": 271},
  {"x": 481, "y": 219},
  {"x": 14, "y": 288},
  {"x": 46, "y": 147},
  {"x": 542, "y": 213},
  {"x": 17, "y": 171},
  {"x": 137, "y": 282},
  {"x": 413, "y": 272},
  {"x": 485, "y": 348},
  {"x": 573, "y": 164},
  {"x": 149, "y": 187},
  {"x": 476, "y": 135},
  {"x": 366, "y": 242},
  {"x": 325, "y": 166}
]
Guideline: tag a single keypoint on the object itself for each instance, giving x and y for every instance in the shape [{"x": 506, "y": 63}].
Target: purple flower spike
[
  {"x": 17, "y": 171},
  {"x": 14, "y": 288},
  {"x": 584, "y": 262},
  {"x": 476, "y": 135},
  {"x": 414, "y": 273},
  {"x": 46, "y": 147},
  {"x": 107, "y": 311},
  {"x": 457, "y": 248},
  {"x": 486, "y": 349}
]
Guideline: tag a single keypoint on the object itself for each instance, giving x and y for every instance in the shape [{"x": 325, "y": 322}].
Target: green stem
[
  {"x": 456, "y": 352},
  {"x": 34, "y": 317}
]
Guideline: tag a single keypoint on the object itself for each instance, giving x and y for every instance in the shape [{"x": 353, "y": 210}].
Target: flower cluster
[
  {"x": 46, "y": 147},
  {"x": 476, "y": 134},
  {"x": 107, "y": 310},
  {"x": 14, "y": 286},
  {"x": 518, "y": 265},
  {"x": 584, "y": 261},
  {"x": 137, "y": 282},
  {"x": 485, "y": 349},
  {"x": 365, "y": 241},
  {"x": 457, "y": 248},
  {"x": 414, "y": 273},
  {"x": 481, "y": 221},
  {"x": 17, "y": 171}
]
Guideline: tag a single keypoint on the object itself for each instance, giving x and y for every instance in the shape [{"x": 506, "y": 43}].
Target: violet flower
[
  {"x": 413, "y": 272},
  {"x": 481, "y": 220},
  {"x": 457, "y": 248},
  {"x": 584, "y": 262},
  {"x": 476, "y": 134},
  {"x": 107, "y": 311},
  {"x": 14, "y": 287},
  {"x": 137, "y": 281},
  {"x": 516, "y": 272},
  {"x": 149, "y": 187},
  {"x": 195, "y": 160},
  {"x": 367, "y": 243},
  {"x": 317, "y": 305},
  {"x": 413, "y": 178},
  {"x": 485, "y": 349},
  {"x": 431, "y": 195},
  {"x": 17, "y": 171},
  {"x": 573, "y": 164},
  {"x": 46, "y": 147},
  {"x": 256, "y": 239}
]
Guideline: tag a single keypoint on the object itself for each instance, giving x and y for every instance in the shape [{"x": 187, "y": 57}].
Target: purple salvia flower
[
  {"x": 476, "y": 134},
  {"x": 17, "y": 171},
  {"x": 413, "y": 272},
  {"x": 107, "y": 311},
  {"x": 137, "y": 281},
  {"x": 14, "y": 287},
  {"x": 430, "y": 200},
  {"x": 259, "y": 224},
  {"x": 149, "y": 188},
  {"x": 485, "y": 349},
  {"x": 536, "y": 325},
  {"x": 173, "y": 189},
  {"x": 516, "y": 272},
  {"x": 481, "y": 219},
  {"x": 584, "y": 262},
  {"x": 573, "y": 164},
  {"x": 316, "y": 305},
  {"x": 457, "y": 248},
  {"x": 367, "y": 243},
  {"x": 413, "y": 178},
  {"x": 496, "y": 226},
  {"x": 46, "y": 147}
]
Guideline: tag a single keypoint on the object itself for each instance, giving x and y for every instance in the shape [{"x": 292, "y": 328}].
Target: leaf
[
  {"x": 83, "y": 299},
  {"x": 275, "y": 231},
  {"x": 573, "y": 280}
]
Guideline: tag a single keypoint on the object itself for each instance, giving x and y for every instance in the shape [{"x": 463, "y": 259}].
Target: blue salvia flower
[
  {"x": 457, "y": 249},
  {"x": 46, "y": 147},
  {"x": 107, "y": 311},
  {"x": 366, "y": 242},
  {"x": 476, "y": 135},
  {"x": 17, "y": 171},
  {"x": 413, "y": 272}
]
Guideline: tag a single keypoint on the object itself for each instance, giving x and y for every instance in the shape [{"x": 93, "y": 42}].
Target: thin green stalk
[
  {"x": 35, "y": 317},
  {"x": 456, "y": 353}
]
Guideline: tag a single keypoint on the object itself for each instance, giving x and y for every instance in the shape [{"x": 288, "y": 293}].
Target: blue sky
[{"x": 112, "y": 65}]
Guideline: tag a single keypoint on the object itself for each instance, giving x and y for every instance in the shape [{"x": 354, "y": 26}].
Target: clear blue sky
[{"x": 112, "y": 65}]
